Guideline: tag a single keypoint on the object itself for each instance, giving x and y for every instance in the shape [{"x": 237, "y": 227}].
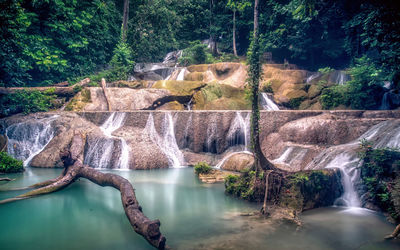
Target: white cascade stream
[
  {"x": 267, "y": 103},
  {"x": 99, "y": 152},
  {"x": 344, "y": 157},
  {"x": 28, "y": 139},
  {"x": 166, "y": 142}
]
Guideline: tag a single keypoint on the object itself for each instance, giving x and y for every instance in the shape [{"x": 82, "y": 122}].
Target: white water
[
  {"x": 238, "y": 134},
  {"x": 344, "y": 157},
  {"x": 27, "y": 139},
  {"x": 267, "y": 103},
  {"x": 166, "y": 142},
  {"x": 341, "y": 78},
  {"x": 100, "y": 150},
  {"x": 385, "y": 105},
  {"x": 312, "y": 77},
  {"x": 181, "y": 75},
  {"x": 239, "y": 131},
  {"x": 212, "y": 127}
]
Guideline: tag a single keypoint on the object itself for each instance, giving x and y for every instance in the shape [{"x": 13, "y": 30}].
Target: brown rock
[{"x": 238, "y": 162}]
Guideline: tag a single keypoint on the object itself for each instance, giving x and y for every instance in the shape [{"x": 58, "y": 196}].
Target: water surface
[{"x": 193, "y": 216}]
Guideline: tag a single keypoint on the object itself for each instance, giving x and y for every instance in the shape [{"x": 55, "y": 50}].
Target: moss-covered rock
[
  {"x": 314, "y": 91},
  {"x": 310, "y": 189},
  {"x": 298, "y": 191},
  {"x": 195, "y": 76},
  {"x": 79, "y": 101},
  {"x": 180, "y": 88},
  {"x": 198, "y": 68},
  {"x": 174, "y": 105}
]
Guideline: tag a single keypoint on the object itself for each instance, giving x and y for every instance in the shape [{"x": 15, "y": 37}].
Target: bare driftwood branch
[{"x": 74, "y": 169}]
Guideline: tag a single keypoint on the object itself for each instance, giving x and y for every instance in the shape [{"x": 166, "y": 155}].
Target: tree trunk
[
  {"x": 234, "y": 33},
  {"x": 261, "y": 161},
  {"x": 395, "y": 233},
  {"x": 74, "y": 169},
  {"x": 59, "y": 91},
  {"x": 125, "y": 20},
  {"x": 103, "y": 87}
]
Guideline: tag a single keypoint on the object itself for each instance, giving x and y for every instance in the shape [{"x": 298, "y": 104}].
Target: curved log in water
[{"x": 75, "y": 169}]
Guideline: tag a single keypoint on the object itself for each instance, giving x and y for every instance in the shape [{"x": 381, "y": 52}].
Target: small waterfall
[
  {"x": 186, "y": 132},
  {"x": 27, "y": 139},
  {"x": 124, "y": 157},
  {"x": 181, "y": 75},
  {"x": 99, "y": 153},
  {"x": 167, "y": 143},
  {"x": 212, "y": 127},
  {"x": 344, "y": 157},
  {"x": 239, "y": 131},
  {"x": 341, "y": 77},
  {"x": 113, "y": 123},
  {"x": 291, "y": 156},
  {"x": 312, "y": 77},
  {"x": 385, "y": 105},
  {"x": 267, "y": 103}
]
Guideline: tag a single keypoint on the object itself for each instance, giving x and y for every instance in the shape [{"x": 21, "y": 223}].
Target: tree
[
  {"x": 236, "y": 6},
  {"x": 125, "y": 20},
  {"x": 254, "y": 72}
]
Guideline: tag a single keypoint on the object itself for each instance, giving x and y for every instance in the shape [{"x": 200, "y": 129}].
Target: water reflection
[{"x": 193, "y": 216}]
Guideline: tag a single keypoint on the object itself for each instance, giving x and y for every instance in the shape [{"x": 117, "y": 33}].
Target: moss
[
  {"x": 79, "y": 101},
  {"x": 380, "y": 173},
  {"x": 295, "y": 102},
  {"x": 179, "y": 87},
  {"x": 195, "y": 76},
  {"x": 241, "y": 186},
  {"x": 198, "y": 68},
  {"x": 314, "y": 91}
]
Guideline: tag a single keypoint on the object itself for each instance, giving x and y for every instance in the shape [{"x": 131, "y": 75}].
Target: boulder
[{"x": 238, "y": 162}]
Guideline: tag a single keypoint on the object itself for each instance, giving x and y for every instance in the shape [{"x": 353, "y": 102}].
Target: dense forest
[{"x": 51, "y": 41}]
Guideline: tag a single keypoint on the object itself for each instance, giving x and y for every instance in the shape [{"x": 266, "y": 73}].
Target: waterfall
[
  {"x": 312, "y": 77},
  {"x": 385, "y": 105},
  {"x": 292, "y": 155},
  {"x": 238, "y": 134},
  {"x": 267, "y": 103},
  {"x": 27, "y": 139},
  {"x": 211, "y": 143},
  {"x": 100, "y": 150},
  {"x": 239, "y": 131},
  {"x": 181, "y": 75},
  {"x": 341, "y": 77},
  {"x": 167, "y": 143},
  {"x": 344, "y": 157}
]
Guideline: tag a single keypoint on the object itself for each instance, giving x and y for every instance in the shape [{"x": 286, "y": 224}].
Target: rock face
[
  {"x": 238, "y": 161},
  {"x": 291, "y": 139}
]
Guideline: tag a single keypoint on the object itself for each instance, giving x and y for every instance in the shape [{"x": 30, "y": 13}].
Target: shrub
[
  {"x": 379, "y": 173},
  {"x": 10, "y": 165},
  {"x": 241, "y": 186},
  {"x": 202, "y": 168},
  {"x": 27, "y": 102},
  {"x": 196, "y": 53},
  {"x": 325, "y": 70}
]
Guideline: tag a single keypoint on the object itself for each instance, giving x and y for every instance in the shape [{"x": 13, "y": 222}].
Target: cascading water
[
  {"x": 239, "y": 131},
  {"x": 238, "y": 135},
  {"x": 211, "y": 143},
  {"x": 267, "y": 103},
  {"x": 181, "y": 75},
  {"x": 385, "y": 105},
  {"x": 100, "y": 150},
  {"x": 167, "y": 143},
  {"x": 27, "y": 139},
  {"x": 344, "y": 157},
  {"x": 312, "y": 77}
]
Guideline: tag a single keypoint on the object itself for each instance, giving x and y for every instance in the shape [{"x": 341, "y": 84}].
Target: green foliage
[
  {"x": 379, "y": 172},
  {"x": 294, "y": 103},
  {"x": 326, "y": 70},
  {"x": 10, "y": 165},
  {"x": 27, "y": 101},
  {"x": 202, "y": 168},
  {"x": 241, "y": 186},
  {"x": 267, "y": 88},
  {"x": 197, "y": 53},
  {"x": 364, "y": 91}
]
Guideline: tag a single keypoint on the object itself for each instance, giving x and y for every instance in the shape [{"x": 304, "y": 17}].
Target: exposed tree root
[
  {"x": 395, "y": 233},
  {"x": 264, "y": 207},
  {"x": 74, "y": 169},
  {"x": 273, "y": 183},
  {"x": 6, "y": 179}
]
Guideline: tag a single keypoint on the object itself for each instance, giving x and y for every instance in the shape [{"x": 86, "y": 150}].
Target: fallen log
[
  {"x": 6, "y": 179},
  {"x": 59, "y": 91},
  {"x": 75, "y": 169},
  {"x": 394, "y": 234}
]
